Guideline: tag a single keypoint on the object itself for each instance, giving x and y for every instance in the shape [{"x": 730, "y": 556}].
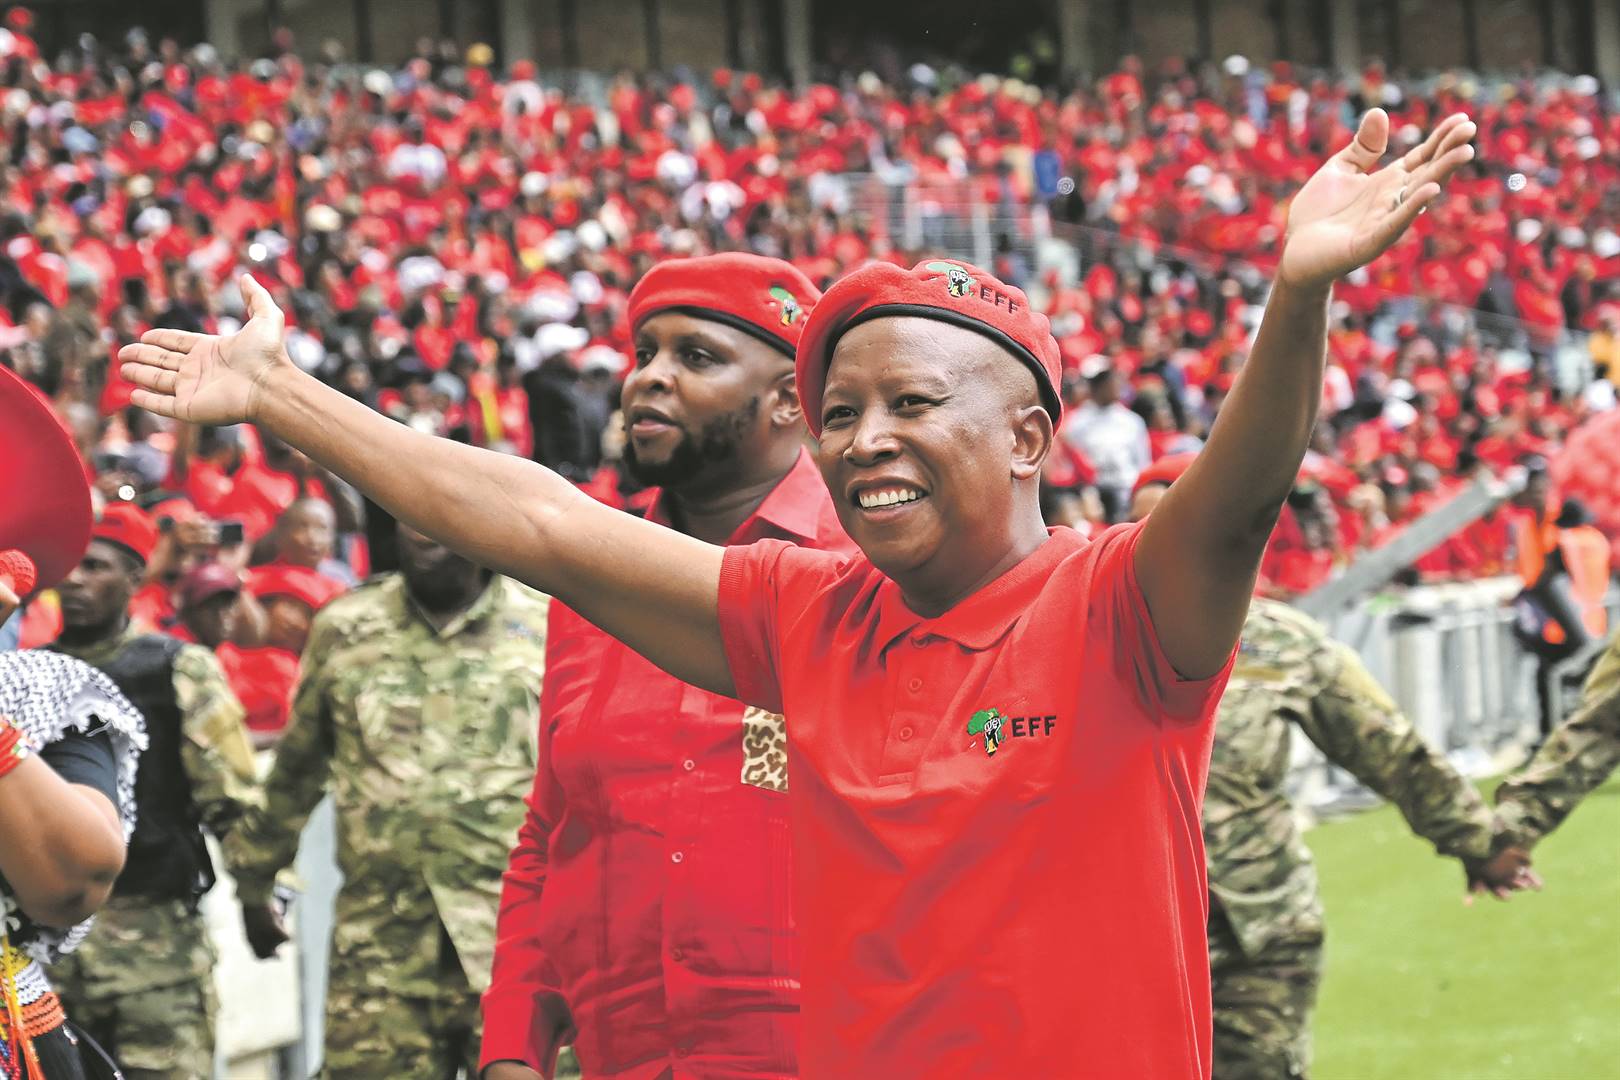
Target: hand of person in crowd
[
  {"x": 1350, "y": 211},
  {"x": 205, "y": 378},
  {"x": 1505, "y": 873},
  {"x": 266, "y": 931},
  {"x": 196, "y": 532},
  {"x": 510, "y": 1070}
]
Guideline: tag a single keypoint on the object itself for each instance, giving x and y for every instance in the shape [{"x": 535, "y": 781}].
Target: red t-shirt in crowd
[
  {"x": 264, "y": 679},
  {"x": 648, "y": 895},
  {"x": 998, "y": 859},
  {"x": 259, "y": 495}
]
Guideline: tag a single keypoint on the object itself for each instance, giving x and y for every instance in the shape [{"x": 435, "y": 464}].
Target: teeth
[{"x": 872, "y": 500}]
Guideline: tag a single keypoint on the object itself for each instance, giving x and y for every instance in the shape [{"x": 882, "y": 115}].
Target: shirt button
[
  {"x": 677, "y": 857},
  {"x": 915, "y": 685},
  {"x": 683, "y": 1051},
  {"x": 905, "y": 734},
  {"x": 676, "y": 954},
  {"x": 921, "y": 641},
  {"x": 688, "y": 764}
]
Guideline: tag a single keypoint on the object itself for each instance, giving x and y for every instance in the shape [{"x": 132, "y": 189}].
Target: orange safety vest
[
  {"x": 1586, "y": 557},
  {"x": 1533, "y": 538}
]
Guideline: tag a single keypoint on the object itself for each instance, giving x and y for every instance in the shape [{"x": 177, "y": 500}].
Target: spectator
[
  {"x": 1113, "y": 439},
  {"x": 268, "y": 673},
  {"x": 304, "y": 535}
]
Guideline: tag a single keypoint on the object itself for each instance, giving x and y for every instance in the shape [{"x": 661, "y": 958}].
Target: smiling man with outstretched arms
[{"x": 1036, "y": 911}]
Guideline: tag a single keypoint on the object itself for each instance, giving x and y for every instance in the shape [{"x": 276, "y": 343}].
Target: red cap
[
  {"x": 205, "y": 581},
  {"x": 299, "y": 582},
  {"x": 46, "y": 510},
  {"x": 953, "y": 292},
  {"x": 767, "y": 298},
  {"x": 129, "y": 527},
  {"x": 1167, "y": 470}
]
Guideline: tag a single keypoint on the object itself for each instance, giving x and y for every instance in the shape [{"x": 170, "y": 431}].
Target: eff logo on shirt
[{"x": 997, "y": 728}]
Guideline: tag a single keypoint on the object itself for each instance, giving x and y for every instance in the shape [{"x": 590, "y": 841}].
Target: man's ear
[
  {"x": 1032, "y": 441},
  {"x": 785, "y": 408}
]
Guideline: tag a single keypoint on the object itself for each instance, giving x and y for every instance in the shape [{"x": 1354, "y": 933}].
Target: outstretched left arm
[{"x": 1201, "y": 547}]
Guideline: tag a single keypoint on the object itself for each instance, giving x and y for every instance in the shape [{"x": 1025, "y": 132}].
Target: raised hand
[
  {"x": 205, "y": 378},
  {"x": 1351, "y": 211}
]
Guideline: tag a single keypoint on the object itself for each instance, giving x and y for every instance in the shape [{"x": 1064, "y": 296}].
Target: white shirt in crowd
[{"x": 1113, "y": 438}]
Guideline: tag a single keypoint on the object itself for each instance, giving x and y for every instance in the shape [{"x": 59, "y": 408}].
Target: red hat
[
  {"x": 767, "y": 298},
  {"x": 129, "y": 527},
  {"x": 299, "y": 582},
  {"x": 1167, "y": 470},
  {"x": 45, "y": 513},
  {"x": 952, "y": 292},
  {"x": 206, "y": 581}
]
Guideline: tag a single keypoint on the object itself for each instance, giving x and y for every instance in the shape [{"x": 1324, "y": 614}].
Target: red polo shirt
[
  {"x": 648, "y": 894},
  {"x": 1035, "y": 911}
]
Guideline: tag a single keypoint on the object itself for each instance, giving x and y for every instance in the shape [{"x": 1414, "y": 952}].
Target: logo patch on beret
[
  {"x": 957, "y": 281},
  {"x": 790, "y": 304}
]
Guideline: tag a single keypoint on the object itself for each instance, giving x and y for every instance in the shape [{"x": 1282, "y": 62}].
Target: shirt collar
[
  {"x": 478, "y": 609},
  {"x": 982, "y": 619},
  {"x": 100, "y": 652},
  {"x": 792, "y": 509}
]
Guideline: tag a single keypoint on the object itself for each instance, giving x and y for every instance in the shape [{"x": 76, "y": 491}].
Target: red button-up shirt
[
  {"x": 999, "y": 862},
  {"x": 646, "y": 913}
]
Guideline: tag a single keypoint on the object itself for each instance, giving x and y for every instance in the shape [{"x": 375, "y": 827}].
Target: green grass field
[{"x": 1420, "y": 987}]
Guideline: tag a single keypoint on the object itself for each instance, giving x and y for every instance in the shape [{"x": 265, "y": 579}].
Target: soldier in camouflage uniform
[
  {"x": 1265, "y": 929},
  {"x": 1265, "y": 921},
  {"x": 1579, "y": 755},
  {"x": 142, "y": 983},
  {"x": 417, "y": 709}
]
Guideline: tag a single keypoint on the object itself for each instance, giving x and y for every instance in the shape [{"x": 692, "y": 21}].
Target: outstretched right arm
[{"x": 652, "y": 588}]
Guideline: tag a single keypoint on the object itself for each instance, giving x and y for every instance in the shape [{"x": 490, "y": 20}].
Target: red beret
[
  {"x": 767, "y": 298},
  {"x": 46, "y": 510},
  {"x": 299, "y": 582},
  {"x": 952, "y": 292},
  {"x": 129, "y": 527},
  {"x": 1167, "y": 470}
]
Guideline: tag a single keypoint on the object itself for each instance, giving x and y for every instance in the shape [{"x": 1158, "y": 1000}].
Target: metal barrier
[{"x": 1449, "y": 657}]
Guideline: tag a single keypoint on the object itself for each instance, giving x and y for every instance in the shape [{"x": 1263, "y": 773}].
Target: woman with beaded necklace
[{"x": 69, "y": 746}]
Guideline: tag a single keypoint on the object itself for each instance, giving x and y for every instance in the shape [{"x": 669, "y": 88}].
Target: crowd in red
[{"x": 454, "y": 246}]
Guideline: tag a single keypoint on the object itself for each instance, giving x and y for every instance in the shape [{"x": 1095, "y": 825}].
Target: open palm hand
[
  {"x": 208, "y": 378},
  {"x": 1351, "y": 211}
]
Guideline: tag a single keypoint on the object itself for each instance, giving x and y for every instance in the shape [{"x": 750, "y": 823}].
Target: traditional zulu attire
[{"x": 82, "y": 726}]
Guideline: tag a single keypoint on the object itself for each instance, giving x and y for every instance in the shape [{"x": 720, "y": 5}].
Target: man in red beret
[
  {"x": 142, "y": 985},
  {"x": 999, "y": 734},
  {"x": 615, "y": 948}
]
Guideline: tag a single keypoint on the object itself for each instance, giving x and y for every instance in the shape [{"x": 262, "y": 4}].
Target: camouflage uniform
[
  {"x": 1579, "y": 756},
  {"x": 426, "y": 740},
  {"x": 1265, "y": 932},
  {"x": 143, "y": 983}
]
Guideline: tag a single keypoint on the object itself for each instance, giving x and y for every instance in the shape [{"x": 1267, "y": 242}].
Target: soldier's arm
[
  {"x": 1360, "y": 728},
  {"x": 214, "y": 745},
  {"x": 266, "y": 840},
  {"x": 1579, "y": 756}
]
